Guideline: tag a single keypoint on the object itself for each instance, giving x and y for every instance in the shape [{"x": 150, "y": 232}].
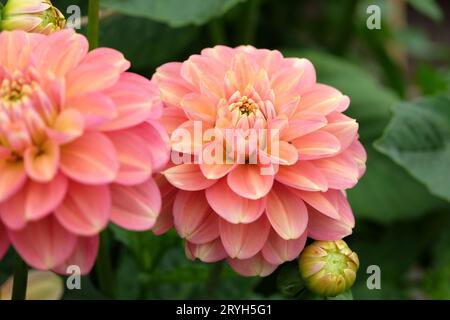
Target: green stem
[
  {"x": 104, "y": 268},
  {"x": 93, "y": 23},
  {"x": 19, "y": 291},
  {"x": 213, "y": 280}
]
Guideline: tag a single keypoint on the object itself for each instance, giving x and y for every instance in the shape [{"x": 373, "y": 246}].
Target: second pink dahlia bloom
[
  {"x": 257, "y": 205},
  {"x": 78, "y": 147}
]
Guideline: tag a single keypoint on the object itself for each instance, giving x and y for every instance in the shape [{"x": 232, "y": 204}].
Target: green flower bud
[
  {"x": 38, "y": 16},
  {"x": 328, "y": 267}
]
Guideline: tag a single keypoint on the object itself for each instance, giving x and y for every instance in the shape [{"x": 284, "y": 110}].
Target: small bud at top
[
  {"x": 328, "y": 267},
  {"x": 38, "y": 16}
]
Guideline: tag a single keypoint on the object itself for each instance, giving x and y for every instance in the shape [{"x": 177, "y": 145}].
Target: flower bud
[
  {"x": 38, "y": 16},
  {"x": 328, "y": 267}
]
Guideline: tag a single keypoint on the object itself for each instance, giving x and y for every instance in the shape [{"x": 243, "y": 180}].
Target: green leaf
[
  {"x": 347, "y": 295},
  {"x": 387, "y": 192},
  {"x": 176, "y": 13},
  {"x": 289, "y": 281},
  {"x": 418, "y": 139},
  {"x": 430, "y": 8}
]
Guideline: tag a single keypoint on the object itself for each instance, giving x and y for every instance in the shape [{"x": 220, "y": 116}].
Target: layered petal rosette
[
  {"x": 261, "y": 156},
  {"x": 79, "y": 143}
]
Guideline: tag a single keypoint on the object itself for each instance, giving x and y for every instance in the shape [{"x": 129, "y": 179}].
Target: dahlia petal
[
  {"x": 137, "y": 100},
  {"x": 342, "y": 127},
  {"x": 359, "y": 154},
  {"x": 60, "y": 52},
  {"x": 316, "y": 145},
  {"x": 278, "y": 250},
  {"x": 208, "y": 252},
  {"x": 341, "y": 171},
  {"x": 96, "y": 108},
  {"x": 198, "y": 107},
  {"x": 248, "y": 182},
  {"x": 83, "y": 256},
  {"x": 91, "y": 77},
  {"x": 188, "y": 137},
  {"x": 239, "y": 240},
  {"x": 172, "y": 118},
  {"x": 254, "y": 266},
  {"x": 159, "y": 145},
  {"x": 193, "y": 218},
  {"x": 108, "y": 56},
  {"x": 322, "y": 227},
  {"x": 286, "y": 153},
  {"x": 322, "y": 99},
  {"x": 303, "y": 175},
  {"x": 12, "y": 177},
  {"x": 172, "y": 86},
  {"x": 85, "y": 210},
  {"x": 68, "y": 126},
  {"x": 4, "y": 241},
  {"x": 135, "y": 207},
  {"x": 43, "y": 244},
  {"x": 15, "y": 49},
  {"x": 232, "y": 207},
  {"x": 42, "y": 164},
  {"x": 90, "y": 159},
  {"x": 306, "y": 123},
  {"x": 188, "y": 177},
  {"x": 165, "y": 218},
  {"x": 286, "y": 212},
  {"x": 216, "y": 170},
  {"x": 134, "y": 154},
  {"x": 325, "y": 202},
  {"x": 34, "y": 202}
]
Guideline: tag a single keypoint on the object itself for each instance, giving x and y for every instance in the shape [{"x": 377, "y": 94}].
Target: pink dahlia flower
[
  {"x": 75, "y": 151},
  {"x": 262, "y": 195}
]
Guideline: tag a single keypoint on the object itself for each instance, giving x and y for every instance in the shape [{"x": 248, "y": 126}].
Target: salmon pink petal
[
  {"x": 306, "y": 123},
  {"x": 154, "y": 132},
  {"x": 286, "y": 154},
  {"x": 216, "y": 171},
  {"x": 359, "y": 154},
  {"x": 193, "y": 218},
  {"x": 322, "y": 227},
  {"x": 286, "y": 212},
  {"x": 68, "y": 126},
  {"x": 43, "y": 244},
  {"x": 317, "y": 145},
  {"x": 90, "y": 159},
  {"x": 60, "y": 52},
  {"x": 199, "y": 107},
  {"x": 232, "y": 207},
  {"x": 325, "y": 202},
  {"x": 134, "y": 154},
  {"x": 165, "y": 218},
  {"x": 278, "y": 250},
  {"x": 322, "y": 99},
  {"x": 42, "y": 163},
  {"x": 4, "y": 241},
  {"x": 15, "y": 49},
  {"x": 12, "y": 177},
  {"x": 109, "y": 56},
  {"x": 303, "y": 175},
  {"x": 85, "y": 210},
  {"x": 136, "y": 99},
  {"x": 248, "y": 182},
  {"x": 83, "y": 256},
  {"x": 172, "y": 86},
  {"x": 342, "y": 127},
  {"x": 96, "y": 108},
  {"x": 172, "y": 118},
  {"x": 34, "y": 202},
  {"x": 207, "y": 252},
  {"x": 341, "y": 171},
  {"x": 135, "y": 207},
  {"x": 239, "y": 240},
  {"x": 254, "y": 266},
  {"x": 188, "y": 177}
]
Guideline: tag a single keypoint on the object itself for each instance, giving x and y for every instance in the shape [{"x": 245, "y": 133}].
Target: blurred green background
[{"x": 398, "y": 80}]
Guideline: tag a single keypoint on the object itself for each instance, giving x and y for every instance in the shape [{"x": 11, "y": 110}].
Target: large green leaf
[
  {"x": 430, "y": 8},
  {"x": 418, "y": 138},
  {"x": 386, "y": 192},
  {"x": 176, "y": 13}
]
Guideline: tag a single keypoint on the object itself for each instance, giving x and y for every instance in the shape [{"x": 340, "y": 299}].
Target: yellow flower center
[{"x": 245, "y": 105}]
